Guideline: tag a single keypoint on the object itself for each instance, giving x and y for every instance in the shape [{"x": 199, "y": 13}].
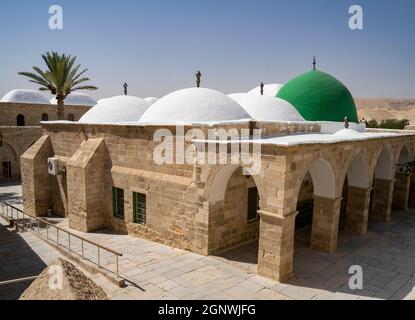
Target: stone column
[
  {"x": 325, "y": 227},
  {"x": 382, "y": 200},
  {"x": 412, "y": 192},
  {"x": 401, "y": 191},
  {"x": 276, "y": 245},
  {"x": 357, "y": 213}
]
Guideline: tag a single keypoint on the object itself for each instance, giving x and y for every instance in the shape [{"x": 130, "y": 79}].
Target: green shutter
[
  {"x": 114, "y": 202},
  {"x": 135, "y": 207}
]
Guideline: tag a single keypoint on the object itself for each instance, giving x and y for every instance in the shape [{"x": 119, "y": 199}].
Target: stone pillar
[
  {"x": 325, "y": 227},
  {"x": 382, "y": 200},
  {"x": 276, "y": 245},
  {"x": 36, "y": 187},
  {"x": 357, "y": 214},
  {"x": 401, "y": 191},
  {"x": 412, "y": 192},
  {"x": 85, "y": 185}
]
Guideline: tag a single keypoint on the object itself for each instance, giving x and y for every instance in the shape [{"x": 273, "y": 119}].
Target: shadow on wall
[{"x": 18, "y": 260}]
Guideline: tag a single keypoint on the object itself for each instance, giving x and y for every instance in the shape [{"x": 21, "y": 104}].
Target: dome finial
[
  {"x": 198, "y": 78},
  {"x": 125, "y": 88},
  {"x": 314, "y": 62},
  {"x": 346, "y": 122},
  {"x": 261, "y": 86}
]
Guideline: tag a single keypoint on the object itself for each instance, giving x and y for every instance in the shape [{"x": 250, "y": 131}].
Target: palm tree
[{"x": 61, "y": 77}]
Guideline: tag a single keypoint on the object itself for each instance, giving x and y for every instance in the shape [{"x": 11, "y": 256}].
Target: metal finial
[
  {"x": 346, "y": 122},
  {"x": 198, "y": 78},
  {"x": 261, "y": 86},
  {"x": 125, "y": 88},
  {"x": 314, "y": 62}
]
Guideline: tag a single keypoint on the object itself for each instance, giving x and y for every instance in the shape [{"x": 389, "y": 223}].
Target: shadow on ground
[
  {"x": 17, "y": 260},
  {"x": 386, "y": 255}
]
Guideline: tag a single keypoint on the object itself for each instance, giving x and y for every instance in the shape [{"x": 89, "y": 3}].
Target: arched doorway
[
  {"x": 9, "y": 165},
  {"x": 383, "y": 183},
  {"x": 234, "y": 202},
  {"x": 318, "y": 209},
  {"x": 45, "y": 117},
  {"x": 356, "y": 198},
  {"x": 71, "y": 117},
  {"x": 402, "y": 184}
]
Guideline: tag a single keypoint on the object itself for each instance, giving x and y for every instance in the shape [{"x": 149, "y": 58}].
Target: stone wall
[
  {"x": 14, "y": 141},
  {"x": 33, "y": 113}
]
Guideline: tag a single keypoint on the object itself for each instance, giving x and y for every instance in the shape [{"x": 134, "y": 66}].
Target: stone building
[
  {"x": 314, "y": 173},
  {"x": 21, "y": 113}
]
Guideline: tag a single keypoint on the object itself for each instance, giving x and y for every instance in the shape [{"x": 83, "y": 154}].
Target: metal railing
[{"x": 35, "y": 224}]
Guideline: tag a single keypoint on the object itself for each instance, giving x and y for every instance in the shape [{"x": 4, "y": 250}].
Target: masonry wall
[
  {"x": 33, "y": 113},
  {"x": 14, "y": 141}
]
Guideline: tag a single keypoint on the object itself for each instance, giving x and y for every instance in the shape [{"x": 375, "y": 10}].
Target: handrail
[{"x": 48, "y": 224}]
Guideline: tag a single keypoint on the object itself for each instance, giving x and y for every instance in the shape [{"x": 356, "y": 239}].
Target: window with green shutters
[
  {"x": 253, "y": 204},
  {"x": 118, "y": 202},
  {"x": 140, "y": 208}
]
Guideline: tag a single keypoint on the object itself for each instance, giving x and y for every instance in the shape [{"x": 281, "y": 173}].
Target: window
[
  {"x": 253, "y": 204},
  {"x": 71, "y": 117},
  {"x": 45, "y": 117},
  {"x": 118, "y": 202},
  {"x": 140, "y": 208},
  {"x": 20, "y": 120}
]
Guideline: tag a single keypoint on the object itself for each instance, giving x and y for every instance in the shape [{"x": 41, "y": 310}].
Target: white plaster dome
[
  {"x": 116, "y": 109},
  {"x": 25, "y": 96},
  {"x": 77, "y": 99},
  {"x": 347, "y": 132},
  {"x": 194, "y": 105},
  {"x": 269, "y": 90},
  {"x": 151, "y": 99},
  {"x": 236, "y": 96},
  {"x": 266, "y": 108}
]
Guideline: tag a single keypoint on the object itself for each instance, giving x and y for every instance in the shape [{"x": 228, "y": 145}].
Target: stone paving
[{"x": 154, "y": 271}]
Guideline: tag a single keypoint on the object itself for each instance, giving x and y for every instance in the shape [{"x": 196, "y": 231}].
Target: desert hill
[{"x": 383, "y": 108}]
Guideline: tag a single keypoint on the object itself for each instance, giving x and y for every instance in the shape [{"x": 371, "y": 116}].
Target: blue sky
[{"x": 157, "y": 45}]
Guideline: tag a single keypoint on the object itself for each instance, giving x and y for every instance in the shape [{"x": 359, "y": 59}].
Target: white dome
[
  {"x": 266, "y": 108},
  {"x": 194, "y": 105},
  {"x": 151, "y": 99},
  {"x": 116, "y": 109},
  {"x": 269, "y": 90},
  {"x": 77, "y": 99},
  {"x": 236, "y": 96},
  {"x": 347, "y": 132},
  {"x": 25, "y": 96}
]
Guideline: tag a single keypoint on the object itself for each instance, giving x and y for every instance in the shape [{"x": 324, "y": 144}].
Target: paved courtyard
[{"x": 154, "y": 271}]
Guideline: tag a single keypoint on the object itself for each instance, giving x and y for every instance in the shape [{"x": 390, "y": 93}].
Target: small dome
[
  {"x": 266, "y": 108},
  {"x": 236, "y": 96},
  {"x": 25, "y": 96},
  {"x": 77, "y": 99},
  {"x": 269, "y": 90},
  {"x": 319, "y": 96},
  {"x": 152, "y": 100},
  {"x": 347, "y": 132},
  {"x": 116, "y": 109},
  {"x": 194, "y": 105}
]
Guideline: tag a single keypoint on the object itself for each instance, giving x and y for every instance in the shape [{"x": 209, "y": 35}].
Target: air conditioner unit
[{"x": 53, "y": 166}]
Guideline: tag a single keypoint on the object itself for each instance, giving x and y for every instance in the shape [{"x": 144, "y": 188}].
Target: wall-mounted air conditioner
[{"x": 53, "y": 166}]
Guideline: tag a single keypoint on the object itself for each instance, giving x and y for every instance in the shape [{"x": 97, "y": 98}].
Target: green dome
[{"x": 319, "y": 97}]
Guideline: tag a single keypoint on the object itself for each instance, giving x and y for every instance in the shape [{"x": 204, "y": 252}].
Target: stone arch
[
  {"x": 218, "y": 181},
  {"x": 358, "y": 172},
  {"x": 403, "y": 155},
  {"x": 6, "y": 144},
  {"x": 323, "y": 177},
  {"x": 45, "y": 117},
  {"x": 233, "y": 209},
  {"x": 71, "y": 117},
  {"x": 384, "y": 168}
]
